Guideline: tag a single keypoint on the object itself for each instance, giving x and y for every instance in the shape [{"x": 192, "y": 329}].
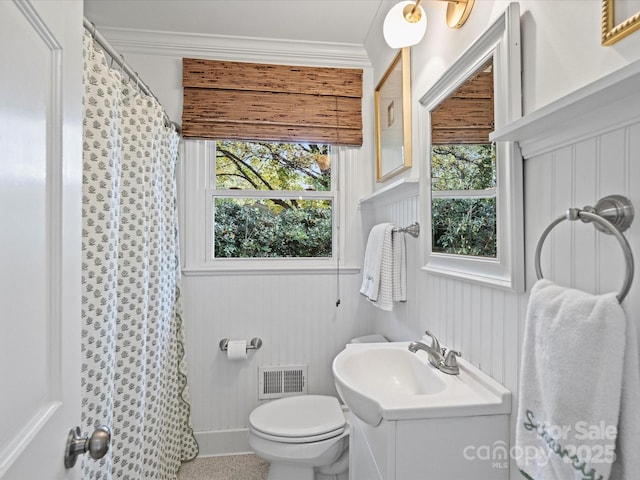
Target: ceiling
[{"x": 325, "y": 21}]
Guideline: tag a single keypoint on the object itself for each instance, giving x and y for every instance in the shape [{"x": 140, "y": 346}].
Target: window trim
[
  {"x": 485, "y": 193},
  {"x": 197, "y": 173},
  {"x": 500, "y": 42}
]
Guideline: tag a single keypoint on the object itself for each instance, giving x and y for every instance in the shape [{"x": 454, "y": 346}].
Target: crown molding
[{"x": 223, "y": 47}]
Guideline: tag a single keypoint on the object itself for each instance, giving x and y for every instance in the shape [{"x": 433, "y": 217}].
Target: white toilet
[{"x": 304, "y": 437}]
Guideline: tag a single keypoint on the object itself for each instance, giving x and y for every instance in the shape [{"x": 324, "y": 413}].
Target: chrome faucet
[{"x": 438, "y": 357}]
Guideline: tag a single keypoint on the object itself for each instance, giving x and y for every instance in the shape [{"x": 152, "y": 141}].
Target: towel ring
[{"x": 612, "y": 215}]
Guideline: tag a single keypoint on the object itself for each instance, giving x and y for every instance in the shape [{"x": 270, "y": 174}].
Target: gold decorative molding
[{"x": 611, "y": 33}]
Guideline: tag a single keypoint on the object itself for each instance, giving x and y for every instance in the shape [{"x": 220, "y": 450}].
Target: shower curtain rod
[{"x": 119, "y": 59}]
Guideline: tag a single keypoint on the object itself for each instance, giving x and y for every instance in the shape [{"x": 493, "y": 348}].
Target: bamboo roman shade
[
  {"x": 249, "y": 101},
  {"x": 466, "y": 117}
]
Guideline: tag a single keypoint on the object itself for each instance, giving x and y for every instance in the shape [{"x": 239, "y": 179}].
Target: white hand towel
[
  {"x": 377, "y": 270},
  {"x": 384, "y": 276},
  {"x": 399, "y": 278},
  {"x": 570, "y": 384},
  {"x": 373, "y": 261}
]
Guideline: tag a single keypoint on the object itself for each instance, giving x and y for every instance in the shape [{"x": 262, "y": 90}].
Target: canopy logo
[{"x": 579, "y": 445}]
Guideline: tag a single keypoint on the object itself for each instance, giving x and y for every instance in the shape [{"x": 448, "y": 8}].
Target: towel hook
[{"x": 611, "y": 215}]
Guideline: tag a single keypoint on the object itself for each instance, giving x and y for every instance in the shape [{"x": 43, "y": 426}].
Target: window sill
[{"x": 281, "y": 269}]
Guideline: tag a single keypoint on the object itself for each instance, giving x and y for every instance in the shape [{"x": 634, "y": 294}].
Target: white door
[{"x": 40, "y": 235}]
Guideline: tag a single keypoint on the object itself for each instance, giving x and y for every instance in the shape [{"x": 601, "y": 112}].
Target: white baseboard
[{"x": 223, "y": 442}]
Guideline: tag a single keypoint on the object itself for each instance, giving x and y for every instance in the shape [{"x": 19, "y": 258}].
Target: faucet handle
[
  {"x": 435, "y": 344},
  {"x": 450, "y": 359}
]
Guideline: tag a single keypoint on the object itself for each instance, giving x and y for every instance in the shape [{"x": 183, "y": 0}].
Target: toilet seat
[
  {"x": 300, "y": 419},
  {"x": 306, "y": 439}
]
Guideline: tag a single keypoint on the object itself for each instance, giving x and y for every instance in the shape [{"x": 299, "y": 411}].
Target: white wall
[
  {"x": 561, "y": 53},
  {"x": 561, "y": 49}
]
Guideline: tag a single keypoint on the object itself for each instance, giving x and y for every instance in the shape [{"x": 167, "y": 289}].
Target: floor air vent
[{"x": 276, "y": 382}]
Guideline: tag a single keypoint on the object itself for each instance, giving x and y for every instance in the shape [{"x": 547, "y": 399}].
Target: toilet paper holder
[{"x": 254, "y": 344}]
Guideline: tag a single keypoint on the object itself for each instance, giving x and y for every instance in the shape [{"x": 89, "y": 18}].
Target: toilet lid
[{"x": 305, "y": 418}]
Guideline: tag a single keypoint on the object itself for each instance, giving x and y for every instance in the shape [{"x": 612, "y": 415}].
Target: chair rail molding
[
  {"x": 605, "y": 105},
  {"x": 398, "y": 190}
]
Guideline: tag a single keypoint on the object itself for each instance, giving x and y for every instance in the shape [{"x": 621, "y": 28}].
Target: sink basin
[
  {"x": 386, "y": 381},
  {"x": 389, "y": 372}
]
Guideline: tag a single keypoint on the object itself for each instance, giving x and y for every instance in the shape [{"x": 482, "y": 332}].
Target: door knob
[{"x": 97, "y": 445}]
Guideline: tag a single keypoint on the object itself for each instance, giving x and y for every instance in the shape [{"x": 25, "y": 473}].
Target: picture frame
[
  {"x": 614, "y": 29},
  {"x": 393, "y": 118}
]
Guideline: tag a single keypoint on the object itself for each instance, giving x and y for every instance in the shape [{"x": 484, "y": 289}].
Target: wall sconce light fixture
[{"x": 406, "y": 22}]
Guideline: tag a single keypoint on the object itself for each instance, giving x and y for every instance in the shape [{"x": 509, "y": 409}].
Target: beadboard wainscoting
[
  {"x": 298, "y": 321},
  {"x": 480, "y": 321},
  {"x": 398, "y": 203}
]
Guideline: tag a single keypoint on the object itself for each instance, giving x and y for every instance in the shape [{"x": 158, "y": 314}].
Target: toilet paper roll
[{"x": 237, "y": 349}]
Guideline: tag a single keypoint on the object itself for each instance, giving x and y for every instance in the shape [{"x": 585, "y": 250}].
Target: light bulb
[{"x": 398, "y": 31}]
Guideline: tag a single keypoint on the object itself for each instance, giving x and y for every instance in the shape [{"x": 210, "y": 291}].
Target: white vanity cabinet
[
  {"x": 411, "y": 421},
  {"x": 457, "y": 448}
]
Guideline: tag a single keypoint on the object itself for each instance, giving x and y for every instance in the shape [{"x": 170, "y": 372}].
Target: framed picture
[
  {"x": 393, "y": 118},
  {"x": 619, "y": 19}
]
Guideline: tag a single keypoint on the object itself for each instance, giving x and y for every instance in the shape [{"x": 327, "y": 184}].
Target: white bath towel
[
  {"x": 571, "y": 384},
  {"x": 384, "y": 270},
  {"x": 627, "y": 464}
]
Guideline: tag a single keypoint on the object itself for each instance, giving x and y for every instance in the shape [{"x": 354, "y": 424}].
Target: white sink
[{"x": 386, "y": 381}]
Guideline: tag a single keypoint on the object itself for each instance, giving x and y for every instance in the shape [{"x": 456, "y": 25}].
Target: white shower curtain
[{"x": 133, "y": 371}]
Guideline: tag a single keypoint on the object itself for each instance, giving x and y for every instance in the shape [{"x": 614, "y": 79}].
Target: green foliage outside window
[
  {"x": 464, "y": 224},
  {"x": 249, "y": 228},
  {"x": 272, "y": 166},
  {"x": 272, "y": 226}
]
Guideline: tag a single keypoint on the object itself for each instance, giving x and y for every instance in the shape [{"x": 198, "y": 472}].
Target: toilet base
[
  {"x": 332, "y": 459},
  {"x": 283, "y": 471},
  {"x": 340, "y": 476},
  {"x": 288, "y": 471}
]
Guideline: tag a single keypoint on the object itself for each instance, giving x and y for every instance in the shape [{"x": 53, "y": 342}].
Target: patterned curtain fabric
[{"x": 133, "y": 371}]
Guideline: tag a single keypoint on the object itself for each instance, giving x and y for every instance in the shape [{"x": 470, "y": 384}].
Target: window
[
  {"x": 268, "y": 204},
  {"x": 272, "y": 200}
]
